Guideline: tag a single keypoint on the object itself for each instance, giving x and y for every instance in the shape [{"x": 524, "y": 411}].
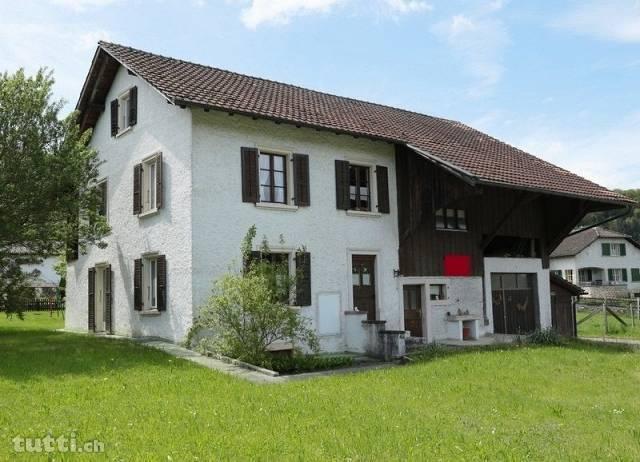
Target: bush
[
  {"x": 307, "y": 363},
  {"x": 547, "y": 336},
  {"x": 249, "y": 311}
]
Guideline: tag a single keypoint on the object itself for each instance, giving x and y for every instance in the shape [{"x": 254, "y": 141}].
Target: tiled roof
[
  {"x": 576, "y": 243},
  {"x": 485, "y": 159}
]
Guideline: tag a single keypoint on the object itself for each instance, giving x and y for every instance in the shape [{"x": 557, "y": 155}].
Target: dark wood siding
[
  {"x": 424, "y": 187},
  {"x": 563, "y": 314}
]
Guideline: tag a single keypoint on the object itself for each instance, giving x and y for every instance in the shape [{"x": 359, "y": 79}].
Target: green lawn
[
  {"x": 594, "y": 327},
  {"x": 577, "y": 402}
]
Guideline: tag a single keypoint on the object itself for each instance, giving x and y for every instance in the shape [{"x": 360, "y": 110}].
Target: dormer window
[{"x": 124, "y": 111}]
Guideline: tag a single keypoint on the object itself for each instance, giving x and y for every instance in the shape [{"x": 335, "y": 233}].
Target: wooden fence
[
  {"x": 610, "y": 308},
  {"x": 43, "y": 304}
]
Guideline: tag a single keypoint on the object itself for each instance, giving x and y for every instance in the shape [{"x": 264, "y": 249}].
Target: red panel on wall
[{"x": 457, "y": 265}]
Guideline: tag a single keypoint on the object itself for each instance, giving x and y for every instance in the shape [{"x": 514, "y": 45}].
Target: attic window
[{"x": 124, "y": 111}]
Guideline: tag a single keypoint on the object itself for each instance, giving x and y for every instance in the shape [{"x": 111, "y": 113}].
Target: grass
[
  {"x": 577, "y": 402},
  {"x": 594, "y": 327}
]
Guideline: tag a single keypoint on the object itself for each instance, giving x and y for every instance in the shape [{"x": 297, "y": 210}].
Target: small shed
[{"x": 563, "y": 308}]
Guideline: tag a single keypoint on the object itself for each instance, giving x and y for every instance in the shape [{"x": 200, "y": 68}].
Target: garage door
[{"x": 514, "y": 302}]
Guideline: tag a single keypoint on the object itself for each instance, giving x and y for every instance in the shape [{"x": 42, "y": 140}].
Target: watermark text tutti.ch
[{"x": 60, "y": 443}]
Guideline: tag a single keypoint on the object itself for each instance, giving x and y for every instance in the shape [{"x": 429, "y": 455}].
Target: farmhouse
[
  {"x": 409, "y": 222},
  {"x": 603, "y": 262}
]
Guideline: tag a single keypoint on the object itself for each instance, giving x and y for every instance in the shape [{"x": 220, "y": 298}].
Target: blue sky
[{"x": 557, "y": 78}]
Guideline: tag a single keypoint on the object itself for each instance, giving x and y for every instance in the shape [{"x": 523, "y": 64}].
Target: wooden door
[
  {"x": 514, "y": 303},
  {"x": 364, "y": 284},
  {"x": 413, "y": 309}
]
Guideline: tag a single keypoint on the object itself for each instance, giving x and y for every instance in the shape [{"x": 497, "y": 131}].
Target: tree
[
  {"x": 48, "y": 199},
  {"x": 249, "y": 311},
  {"x": 628, "y": 225}
]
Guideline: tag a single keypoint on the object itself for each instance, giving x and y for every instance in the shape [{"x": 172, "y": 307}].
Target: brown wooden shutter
[
  {"x": 133, "y": 106},
  {"x": 114, "y": 117},
  {"x": 301, "y": 180},
  {"x": 250, "y": 184},
  {"x": 159, "y": 182},
  {"x": 137, "y": 189},
  {"x": 162, "y": 283},
  {"x": 91, "y": 300},
  {"x": 108, "y": 306},
  {"x": 137, "y": 284},
  {"x": 303, "y": 279},
  {"x": 342, "y": 185},
  {"x": 382, "y": 178}
]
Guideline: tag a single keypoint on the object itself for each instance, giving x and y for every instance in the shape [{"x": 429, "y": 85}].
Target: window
[
  {"x": 617, "y": 275},
  {"x": 635, "y": 274},
  {"x": 614, "y": 250},
  {"x": 150, "y": 283},
  {"x": 273, "y": 178},
  {"x": 412, "y": 297},
  {"x": 437, "y": 292},
  {"x": 568, "y": 275},
  {"x": 102, "y": 191},
  {"x": 556, "y": 272},
  {"x": 150, "y": 179},
  {"x": 123, "y": 112},
  {"x": 359, "y": 187},
  {"x": 451, "y": 219}
]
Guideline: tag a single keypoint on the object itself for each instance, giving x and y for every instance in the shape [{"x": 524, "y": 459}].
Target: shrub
[
  {"x": 308, "y": 363},
  {"x": 249, "y": 311},
  {"x": 547, "y": 336}
]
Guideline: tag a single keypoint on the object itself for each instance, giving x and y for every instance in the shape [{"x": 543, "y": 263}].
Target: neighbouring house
[
  {"x": 604, "y": 263},
  {"x": 410, "y": 222},
  {"x": 43, "y": 278}
]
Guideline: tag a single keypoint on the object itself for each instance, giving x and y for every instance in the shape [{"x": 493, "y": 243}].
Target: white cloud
[
  {"x": 278, "y": 12},
  {"x": 81, "y": 5},
  {"x": 282, "y": 11},
  {"x": 64, "y": 48},
  {"x": 609, "y": 156},
  {"x": 616, "y": 20},
  {"x": 408, "y": 6},
  {"x": 478, "y": 42}
]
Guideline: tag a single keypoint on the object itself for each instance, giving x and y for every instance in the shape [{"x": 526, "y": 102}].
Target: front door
[
  {"x": 364, "y": 284},
  {"x": 413, "y": 309},
  {"x": 514, "y": 303}
]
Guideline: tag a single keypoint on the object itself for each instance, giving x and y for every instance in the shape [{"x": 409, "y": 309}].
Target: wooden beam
[
  {"x": 523, "y": 198},
  {"x": 555, "y": 241}
]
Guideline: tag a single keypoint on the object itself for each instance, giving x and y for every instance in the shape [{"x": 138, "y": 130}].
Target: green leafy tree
[
  {"x": 249, "y": 311},
  {"x": 628, "y": 225},
  {"x": 48, "y": 199}
]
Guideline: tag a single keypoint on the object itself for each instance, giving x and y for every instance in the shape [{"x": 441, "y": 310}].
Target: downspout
[{"x": 628, "y": 210}]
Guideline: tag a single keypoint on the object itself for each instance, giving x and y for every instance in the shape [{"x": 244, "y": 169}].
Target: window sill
[
  {"x": 148, "y": 213},
  {"x": 363, "y": 213},
  {"x": 124, "y": 132},
  {"x": 275, "y": 206},
  {"x": 153, "y": 312},
  {"x": 452, "y": 230}
]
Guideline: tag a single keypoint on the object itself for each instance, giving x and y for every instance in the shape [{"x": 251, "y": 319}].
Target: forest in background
[{"x": 628, "y": 225}]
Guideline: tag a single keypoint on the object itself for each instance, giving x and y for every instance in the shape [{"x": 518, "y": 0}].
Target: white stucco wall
[
  {"x": 463, "y": 293},
  {"x": 520, "y": 265},
  {"x": 161, "y": 127},
  {"x": 591, "y": 257},
  {"x": 221, "y": 219}
]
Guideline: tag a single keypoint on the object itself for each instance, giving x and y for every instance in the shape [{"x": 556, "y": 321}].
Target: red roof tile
[{"x": 486, "y": 159}]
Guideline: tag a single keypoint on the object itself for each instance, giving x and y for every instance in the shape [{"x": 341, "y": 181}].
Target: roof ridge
[{"x": 290, "y": 85}]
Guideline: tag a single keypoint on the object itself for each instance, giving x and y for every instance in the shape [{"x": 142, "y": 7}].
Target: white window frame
[
  {"x": 568, "y": 275},
  {"x": 289, "y": 205},
  {"x": 618, "y": 275},
  {"x": 148, "y": 185},
  {"x": 150, "y": 282},
  {"x": 618, "y": 249},
  {"x": 99, "y": 184},
  {"x": 373, "y": 190},
  {"x": 443, "y": 290},
  {"x": 124, "y": 124}
]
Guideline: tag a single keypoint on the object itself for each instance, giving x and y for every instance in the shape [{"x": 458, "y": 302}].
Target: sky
[{"x": 558, "y": 79}]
